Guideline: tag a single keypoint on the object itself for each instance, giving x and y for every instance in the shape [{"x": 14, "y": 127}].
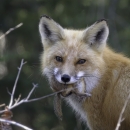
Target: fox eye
[
  {"x": 59, "y": 59},
  {"x": 81, "y": 61}
]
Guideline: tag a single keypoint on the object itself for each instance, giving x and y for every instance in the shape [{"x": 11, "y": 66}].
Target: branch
[
  {"x": 26, "y": 100},
  {"x": 2, "y": 105},
  {"x": 34, "y": 86},
  {"x": 10, "y": 30},
  {"x": 18, "y": 99},
  {"x": 121, "y": 114},
  {"x": 15, "y": 84},
  {"x": 15, "y": 123}
]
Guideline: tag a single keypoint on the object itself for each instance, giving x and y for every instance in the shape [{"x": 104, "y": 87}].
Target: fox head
[{"x": 70, "y": 55}]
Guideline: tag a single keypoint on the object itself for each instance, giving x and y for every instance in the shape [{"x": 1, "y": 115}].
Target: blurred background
[{"x": 24, "y": 43}]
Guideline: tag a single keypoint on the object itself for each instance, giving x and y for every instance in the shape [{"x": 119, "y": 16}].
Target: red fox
[{"x": 82, "y": 58}]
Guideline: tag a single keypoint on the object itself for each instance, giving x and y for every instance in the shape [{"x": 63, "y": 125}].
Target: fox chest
[{"x": 88, "y": 110}]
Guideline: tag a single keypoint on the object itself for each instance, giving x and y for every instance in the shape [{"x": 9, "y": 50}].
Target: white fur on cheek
[
  {"x": 80, "y": 74},
  {"x": 57, "y": 76},
  {"x": 81, "y": 86},
  {"x": 92, "y": 81},
  {"x": 56, "y": 71}
]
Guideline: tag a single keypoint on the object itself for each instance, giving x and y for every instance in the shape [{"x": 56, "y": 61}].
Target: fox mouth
[
  {"x": 68, "y": 89},
  {"x": 67, "y": 82}
]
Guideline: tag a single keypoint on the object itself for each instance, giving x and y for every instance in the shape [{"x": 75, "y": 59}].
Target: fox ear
[
  {"x": 50, "y": 31},
  {"x": 96, "y": 35}
]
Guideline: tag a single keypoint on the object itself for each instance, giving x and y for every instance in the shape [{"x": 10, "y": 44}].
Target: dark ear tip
[
  {"x": 45, "y": 16},
  {"x": 102, "y": 20}
]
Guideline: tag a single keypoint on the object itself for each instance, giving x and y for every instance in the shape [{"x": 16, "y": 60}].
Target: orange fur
[{"x": 104, "y": 74}]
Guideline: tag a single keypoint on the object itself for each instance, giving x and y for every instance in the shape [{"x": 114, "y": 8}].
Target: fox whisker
[{"x": 87, "y": 75}]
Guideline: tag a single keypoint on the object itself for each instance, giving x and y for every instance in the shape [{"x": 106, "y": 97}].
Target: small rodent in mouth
[
  {"x": 69, "y": 89},
  {"x": 76, "y": 89}
]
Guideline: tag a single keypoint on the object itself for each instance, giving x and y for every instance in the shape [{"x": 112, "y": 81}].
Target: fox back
[{"x": 81, "y": 61}]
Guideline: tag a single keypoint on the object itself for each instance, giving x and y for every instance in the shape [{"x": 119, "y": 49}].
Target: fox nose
[{"x": 65, "y": 78}]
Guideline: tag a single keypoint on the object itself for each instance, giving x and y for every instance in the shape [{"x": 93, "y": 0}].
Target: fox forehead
[
  {"x": 72, "y": 43},
  {"x": 71, "y": 48}
]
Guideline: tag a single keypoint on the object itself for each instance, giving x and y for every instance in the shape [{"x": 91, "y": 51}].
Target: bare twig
[
  {"x": 49, "y": 95},
  {"x": 121, "y": 114},
  {"x": 15, "y": 84},
  {"x": 8, "y": 91},
  {"x": 15, "y": 123},
  {"x": 2, "y": 105},
  {"x": 10, "y": 30},
  {"x": 18, "y": 99},
  {"x": 34, "y": 86}
]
